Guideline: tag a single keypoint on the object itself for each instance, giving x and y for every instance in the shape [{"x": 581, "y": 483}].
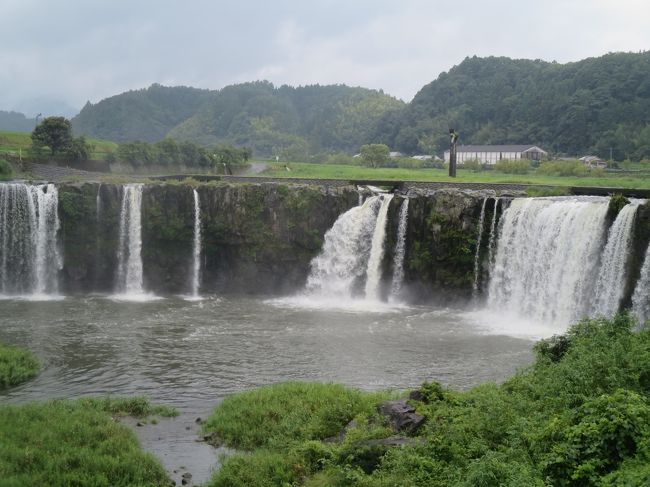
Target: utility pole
[{"x": 453, "y": 139}]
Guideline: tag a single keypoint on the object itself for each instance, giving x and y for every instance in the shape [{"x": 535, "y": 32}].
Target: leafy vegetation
[
  {"x": 6, "y": 170},
  {"x": 578, "y": 416},
  {"x": 17, "y": 365},
  {"x": 76, "y": 443}
]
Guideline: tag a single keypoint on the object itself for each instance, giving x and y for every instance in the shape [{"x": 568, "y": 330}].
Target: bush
[
  {"x": 563, "y": 168},
  {"x": 518, "y": 166},
  {"x": 473, "y": 165},
  {"x": 17, "y": 365},
  {"x": 6, "y": 169}
]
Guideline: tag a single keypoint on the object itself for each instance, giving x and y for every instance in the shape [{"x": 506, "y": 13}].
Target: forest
[{"x": 598, "y": 106}]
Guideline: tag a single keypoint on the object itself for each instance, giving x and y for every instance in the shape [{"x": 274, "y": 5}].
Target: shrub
[
  {"x": 6, "y": 170},
  {"x": 473, "y": 165},
  {"x": 518, "y": 166},
  {"x": 563, "y": 168}
]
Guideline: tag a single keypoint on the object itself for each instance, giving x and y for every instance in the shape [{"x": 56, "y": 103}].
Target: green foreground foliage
[
  {"x": 76, "y": 443},
  {"x": 578, "y": 416},
  {"x": 17, "y": 365}
]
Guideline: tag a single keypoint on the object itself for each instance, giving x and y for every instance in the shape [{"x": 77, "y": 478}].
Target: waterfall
[
  {"x": 641, "y": 296},
  {"x": 196, "y": 247},
  {"x": 345, "y": 255},
  {"x": 493, "y": 234},
  {"x": 129, "y": 258},
  {"x": 547, "y": 257},
  {"x": 373, "y": 273},
  {"x": 29, "y": 223},
  {"x": 400, "y": 247},
  {"x": 610, "y": 285},
  {"x": 479, "y": 235}
]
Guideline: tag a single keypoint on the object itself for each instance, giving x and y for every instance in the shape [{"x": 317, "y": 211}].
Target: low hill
[
  {"x": 146, "y": 114},
  {"x": 259, "y": 115},
  {"x": 583, "y": 107}
]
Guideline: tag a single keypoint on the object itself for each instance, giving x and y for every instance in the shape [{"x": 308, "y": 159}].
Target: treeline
[
  {"x": 596, "y": 106},
  {"x": 168, "y": 152},
  {"x": 292, "y": 123}
]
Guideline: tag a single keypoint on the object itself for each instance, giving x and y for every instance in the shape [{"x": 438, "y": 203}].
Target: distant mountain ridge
[{"x": 597, "y": 105}]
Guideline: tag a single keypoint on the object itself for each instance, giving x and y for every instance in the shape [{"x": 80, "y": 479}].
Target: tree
[
  {"x": 55, "y": 133},
  {"x": 79, "y": 150},
  {"x": 375, "y": 155}
]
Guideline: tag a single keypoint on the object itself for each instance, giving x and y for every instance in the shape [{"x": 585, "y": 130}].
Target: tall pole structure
[{"x": 453, "y": 140}]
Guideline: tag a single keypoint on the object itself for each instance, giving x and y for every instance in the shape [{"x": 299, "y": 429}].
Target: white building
[{"x": 491, "y": 154}]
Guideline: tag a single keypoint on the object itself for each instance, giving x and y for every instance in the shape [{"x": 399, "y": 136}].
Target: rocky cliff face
[{"x": 257, "y": 238}]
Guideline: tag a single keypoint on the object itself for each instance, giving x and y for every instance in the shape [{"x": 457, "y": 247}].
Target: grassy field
[
  {"x": 13, "y": 142},
  {"x": 331, "y": 171}
]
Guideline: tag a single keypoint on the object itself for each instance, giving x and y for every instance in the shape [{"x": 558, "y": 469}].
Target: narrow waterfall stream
[
  {"x": 196, "y": 247},
  {"x": 129, "y": 265},
  {"x": 400, "y": 248},
  {"x": 373, "y": 272},
  {"x": 611, "y": 278},
  {"x": 641, "y": 297},
  {"x": 477, "y": 254}
]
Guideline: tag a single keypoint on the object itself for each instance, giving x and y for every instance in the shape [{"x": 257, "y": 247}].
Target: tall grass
[
  {"x": 17, "y": 365},
  {"x": 74, "y": 443}
]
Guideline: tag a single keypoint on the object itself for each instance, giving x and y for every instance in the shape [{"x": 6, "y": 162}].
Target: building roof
[{"x": 498, "y": 148}]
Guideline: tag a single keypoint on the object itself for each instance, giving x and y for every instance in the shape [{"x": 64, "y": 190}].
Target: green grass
[
  {"x": 74, "y": 443},
  {"x": 16, "y": 141},
  {"x": 332, "y": 171},
  {"x": 17, "y": 365},
  {"x": 578, "y": 416}
]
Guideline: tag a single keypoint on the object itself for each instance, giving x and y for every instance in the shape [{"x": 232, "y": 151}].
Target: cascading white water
[
  {"x": 479, "y": 235},
  {"x": 493, "y": 233},
  {"x": 546, "y": 258},
  {"x": 129, "y": 255},
  {"x": 610, "y": 285},
  {"x": 641, "y": 296},
  {"x": 29, "y": 223},
  {"x": 400, "y": 247},
  {"x": 373, "y": 273},
  {"x": 196, "y": 246},
  {"x": 346, "y": 251}
]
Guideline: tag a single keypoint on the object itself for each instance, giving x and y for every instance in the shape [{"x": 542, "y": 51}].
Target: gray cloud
[{"x": 77, "y": 50}]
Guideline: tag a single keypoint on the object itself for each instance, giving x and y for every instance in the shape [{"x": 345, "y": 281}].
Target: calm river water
[{"x": 191, "y": 354}]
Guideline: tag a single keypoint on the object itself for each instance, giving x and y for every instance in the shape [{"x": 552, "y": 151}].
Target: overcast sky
[{"x": 79, "y": 50}]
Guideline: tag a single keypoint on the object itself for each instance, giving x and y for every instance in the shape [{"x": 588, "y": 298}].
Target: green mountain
[
  {"x": 584, "y": 107},
  {"x": 300, "y": 120},
  {"x": 146, "y": 115},
  {"x": 597, "y": 106}
]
